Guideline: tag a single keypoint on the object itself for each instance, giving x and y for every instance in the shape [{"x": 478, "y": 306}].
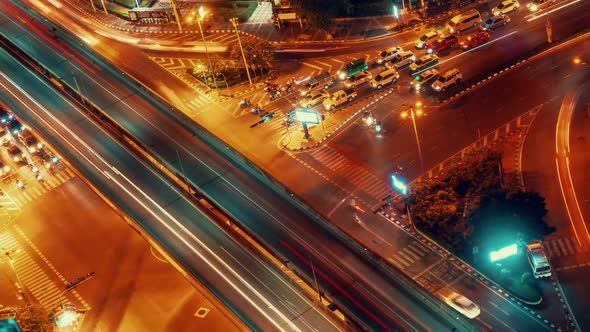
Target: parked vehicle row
[{"x": 17, "y": 139}]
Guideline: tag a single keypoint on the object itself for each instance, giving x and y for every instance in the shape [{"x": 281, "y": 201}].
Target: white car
[
  {"x": 426, "y": 39},
  {"x": 462, "y": 305},
  {"x": 314, "y": 98},
  {"x": 388, "y": 54},
  {"x": 401, "y": 60},
  {"x": 505, "y": 7},
  {"x": 448, "y": 78},
  {"x": 387, "y": 76}
]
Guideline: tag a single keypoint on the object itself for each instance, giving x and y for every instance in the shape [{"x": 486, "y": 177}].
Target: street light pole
[
  {"x": 173, "y": 4},
  {"x": 19, "y": 283},
  {"x": 417, "y": 138},
  {"x": 234, "y": 22},
  {"x": 200, "y": 16}
]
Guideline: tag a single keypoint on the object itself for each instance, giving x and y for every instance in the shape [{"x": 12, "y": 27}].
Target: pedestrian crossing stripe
[
  {"x": 31, "y": 193},
  {"x": 223, "y": 38},
  {"x": 409, "y": 252},
  {"x": 34, "y": 280},
  {"x": 360, "y": 177},
  {"x": 562, "y": 247},
  {"x": 406, "y": 256}
]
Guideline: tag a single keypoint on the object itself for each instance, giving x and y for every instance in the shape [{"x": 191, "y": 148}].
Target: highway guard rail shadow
[{"x": 410, "y": 286}]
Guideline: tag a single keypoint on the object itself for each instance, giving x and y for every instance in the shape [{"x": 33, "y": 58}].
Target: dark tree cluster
[{"x": 471, "y": 199}]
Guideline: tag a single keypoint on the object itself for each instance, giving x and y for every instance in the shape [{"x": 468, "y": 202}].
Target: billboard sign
[
  {"x": 399, "y": 184},
  {"x": 305, "y": 116}
]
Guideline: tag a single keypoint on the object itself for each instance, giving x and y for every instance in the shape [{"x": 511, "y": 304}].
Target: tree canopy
[
  {"x": 470, "y": 200},
  {"x": 256, "y": 50},
  {"x": 319, "y": 14}
]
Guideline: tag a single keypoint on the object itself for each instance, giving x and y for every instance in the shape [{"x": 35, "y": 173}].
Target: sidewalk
[{"x": 343, "y": 29}]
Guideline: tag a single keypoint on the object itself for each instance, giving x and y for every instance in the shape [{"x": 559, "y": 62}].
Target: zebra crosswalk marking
[
  {"x": 358, "y": 176},
  {"x": 399, "y": 260},
  {"x": 405, "y": 256},
  {"x": 417, "y": 249},
  {"x": 34, "y": 279},
  {"x": 409, "y": 252},
  {"x": 396, "y": 263},
  {"x": 31, "y": 193},
  {"x": 562, "y": 247},
  {"x": 570, "y": 247}
]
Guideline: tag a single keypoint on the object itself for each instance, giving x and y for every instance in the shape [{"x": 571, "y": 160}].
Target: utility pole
[
  {"x": 234, "y": 22},
  {"x": 200, "y": 15},
  {"x": 173, "y": 4}
]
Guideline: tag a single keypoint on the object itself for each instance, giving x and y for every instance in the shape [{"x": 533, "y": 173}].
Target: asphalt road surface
[
  {"x": 349, "y": 280},
  {"x": 237, "y": 276},
  {"x": 70, "y": 231}
]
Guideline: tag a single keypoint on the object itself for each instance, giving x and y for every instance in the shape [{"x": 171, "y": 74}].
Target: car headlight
[
  {"x": 379, "y": 61},
  {"x": 451, "y": 30},
  {"x": 418, "y": 86},
  {"x": 39, "y": 145},
  {"x": 436, "y": 87},
  {"x": 15, "y": 159},
  {"x": 429, "y": 51},
  {"x": 32, "y": 149},
  {"x": 533, "y": 7},
  {"x": 342, "y": 76}
]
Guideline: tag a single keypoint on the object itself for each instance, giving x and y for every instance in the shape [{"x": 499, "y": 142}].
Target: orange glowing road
[{"x": 562, "y": 163}]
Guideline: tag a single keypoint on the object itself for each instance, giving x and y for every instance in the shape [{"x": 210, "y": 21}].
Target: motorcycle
[
  {"x": 20, "y": 185},
  {"x": 268, "y": 86},
  {"x": 275, "y": 94},
  {"x": 258, "y": 109},
  {"x": 245, "y": 103},
  {"x": 34, "y": 169}
]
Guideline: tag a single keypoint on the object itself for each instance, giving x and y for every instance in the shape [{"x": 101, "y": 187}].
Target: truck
[
  {"x": 338, "y": 98},
  {"x": 538, "y": 260}
]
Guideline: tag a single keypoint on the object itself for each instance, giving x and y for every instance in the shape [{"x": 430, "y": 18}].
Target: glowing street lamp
[{"x": 579, "y": 61}]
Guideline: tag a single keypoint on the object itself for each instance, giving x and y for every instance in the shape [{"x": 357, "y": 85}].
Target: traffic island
[{"x": 511, "y": 273}]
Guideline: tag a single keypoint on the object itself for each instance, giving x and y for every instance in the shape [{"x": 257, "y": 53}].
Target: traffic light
[{"x": 378, "y": 127}]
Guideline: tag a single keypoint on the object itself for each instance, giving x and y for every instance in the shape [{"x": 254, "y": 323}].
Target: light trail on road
[
  {"x": 158, "y": 208},
  {"x": 562, "y": 164}
]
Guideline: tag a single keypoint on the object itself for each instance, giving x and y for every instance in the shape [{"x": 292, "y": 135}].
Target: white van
[
  {"x": 464, "y": 21},
  {"x": 538, "y": 260}
]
